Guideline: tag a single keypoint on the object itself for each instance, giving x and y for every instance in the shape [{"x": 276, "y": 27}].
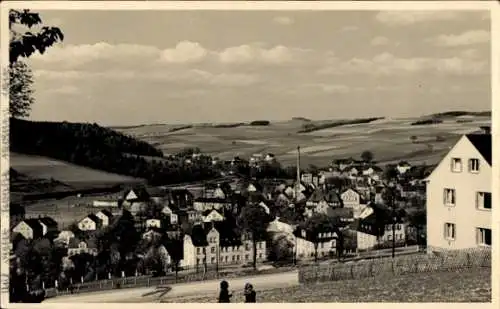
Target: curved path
[{"x": 152, "y": 294}]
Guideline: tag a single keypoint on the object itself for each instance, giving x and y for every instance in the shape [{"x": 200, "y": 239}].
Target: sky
[{"x": 142, "y": 67}]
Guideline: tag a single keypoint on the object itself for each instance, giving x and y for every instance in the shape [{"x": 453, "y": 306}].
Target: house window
[
  {"x": 237, "y": 257},
  {"x": 389, "y": 237},
  {"x": 260, "y": 245},
  {"x": 483, "y": 200},
  {"x": 198, "y": 250},
  {"x": 246, "y": 257},
  {"x": 260, "y": 255},
  {"x": 321, "y": 245},
  {"x": 474, "y": 165},
  {"x": 233, "y": 258},
  {"x": 449, "y": 197},
  {"x": 213, "y": 260},
  {"x": 227, "y": 258},
  {"x": 212, "y": 249},
  {"x": 198, "y": 261},
  {"x": 204, "y": 250},
  {"x": 222, "y": 258},
  {"x": 456, "y": 165},
  {"x": 449, "y": 231},
  {"x": 247, "y": 247},
  {"x": 483, "y": 237}
]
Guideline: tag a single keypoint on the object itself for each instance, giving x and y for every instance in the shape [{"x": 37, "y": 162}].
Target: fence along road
[{"x": 131, "y": 295}]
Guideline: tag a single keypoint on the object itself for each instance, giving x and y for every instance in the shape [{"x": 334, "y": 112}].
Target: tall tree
[
  {"x": 367, "y": 156},
  {"x": 19, "y": 82},
  {"x": 254, "y": 220},
  {"x": 26, "y": 37}
]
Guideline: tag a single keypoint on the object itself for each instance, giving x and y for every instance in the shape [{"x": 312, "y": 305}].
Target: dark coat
[
  {"x": 224, "y": 296},
  {"x": 250, "y": 297}
]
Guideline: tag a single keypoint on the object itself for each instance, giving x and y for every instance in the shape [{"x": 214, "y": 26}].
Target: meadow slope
[
  {"x": 464, "y": 286},
  {"x": 388, "y": 139}
]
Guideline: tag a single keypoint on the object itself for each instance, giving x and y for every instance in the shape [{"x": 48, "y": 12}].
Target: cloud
[
  {"x": 387, "y": 64},
  {"x": 404, "y": 18},
  {"x": 284, "y": 20},
  {"x": 73, "y": 56},
  {"x": 249, "y": 54},
  {"x": 329, "y": 88},
  {"x": 470, "y": 37},
  {"x": 191, "y": 77},
  {"x": 379, "y": 41},
  {"x": 184, "y": 52}
]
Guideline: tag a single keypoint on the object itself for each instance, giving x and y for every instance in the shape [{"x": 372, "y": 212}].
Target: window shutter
[
  {"x": 444, "y": 196},
  {"x": 445, "y": 229}
]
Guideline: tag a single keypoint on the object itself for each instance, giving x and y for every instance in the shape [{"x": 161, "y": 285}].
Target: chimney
[
  {"x": 297, "y": 185},
  {"x": 486, "y": 129}
]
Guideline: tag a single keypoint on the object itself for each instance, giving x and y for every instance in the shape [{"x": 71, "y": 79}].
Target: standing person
[
  {"x": 224, "y": 296},
  {"x": 250, "y": 294}
]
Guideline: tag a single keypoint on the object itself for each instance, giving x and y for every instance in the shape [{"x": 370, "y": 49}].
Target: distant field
[
  {"x": 70, "y": 174},
  {"x": 467, "y": 286},
  {"x": 388, "y": 139}
]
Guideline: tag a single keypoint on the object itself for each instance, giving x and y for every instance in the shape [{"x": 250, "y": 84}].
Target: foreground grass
[{"x": 466, "y": 286}]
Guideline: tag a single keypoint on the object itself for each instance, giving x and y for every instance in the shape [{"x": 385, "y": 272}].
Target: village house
[
  {"x": 212, "y": 215},
  {"x": 217, "y": 243},
  {"x": 180, "y": 198},
  {"x": 105, "y": 216},
  {"x": 64, "y": 237},
  {"x": 324, "y": 242},
  {"x": 79, "y": 246},
  {"x": 459, "y": 196},
  {"x": 203, "y": 204},
  {"x": 49, "y": 226},
  {"x": 279, "y": 225},
  {"x": 403, "y": 167},
  {"x": 170, "y": 213},
  {"x": 353, "y": 199},
  {"x": 90, "y": 223},
  {"x": 29, "y": 229},
  {"x": 322, "y": 203}
]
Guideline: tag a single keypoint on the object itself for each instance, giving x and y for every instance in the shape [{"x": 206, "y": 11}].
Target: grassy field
[
  {"x": 468, "y": 286},
  {"x": 388, "y": 139},
  {"x": 70, "y": 174}
]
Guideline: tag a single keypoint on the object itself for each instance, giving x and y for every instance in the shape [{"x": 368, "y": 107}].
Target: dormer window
[{"x": 456, "y": 165}]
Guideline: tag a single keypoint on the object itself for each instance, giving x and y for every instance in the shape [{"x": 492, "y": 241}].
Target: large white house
[{"x": 459, "y": 196}]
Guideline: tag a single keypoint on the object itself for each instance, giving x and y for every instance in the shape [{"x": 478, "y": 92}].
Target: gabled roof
[
  {"x": 140, "y": 191},
  {"x": 74, "y": 242},
  {"x": 317, "y": 196},
  {"x": 106, "y": 213},
  {"x": 483, "y": 144},
  {"x": 48, "y": 221},
  {"x": 34, "y": 224},
  {"x": 94, "y": 218}
]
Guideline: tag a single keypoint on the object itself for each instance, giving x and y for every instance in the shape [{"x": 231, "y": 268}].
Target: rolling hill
[{"x": 389, "y": 139}]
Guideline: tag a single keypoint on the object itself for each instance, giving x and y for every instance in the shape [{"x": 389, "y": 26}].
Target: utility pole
[
  {"x": 297, "y": 185},
  {"x": 393, "y": 204}
]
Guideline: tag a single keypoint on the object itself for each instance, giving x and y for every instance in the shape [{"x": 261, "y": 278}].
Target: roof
[
  {"x": 317, "y": 196},
  {"x": 106, "y": 212},
  {"x": 74, "y": 242},
  {"x": 140, "y": 191},
  {"x": 211, "y": 200},
  {"x": 35, "y": 225},
  {"x": 48, "y": 221},
  {"x": 228, "y": 235},
  {"x": 94, "y": 218},
  {"x": 483, "y": 144}
]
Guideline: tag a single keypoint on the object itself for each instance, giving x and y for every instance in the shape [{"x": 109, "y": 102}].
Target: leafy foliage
[
  {"x": 367, "y": 156},
  {"x": 24, "y": 42},
  {"x": 19, "y": 83},
  {"x": 254, "y": 221}
]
